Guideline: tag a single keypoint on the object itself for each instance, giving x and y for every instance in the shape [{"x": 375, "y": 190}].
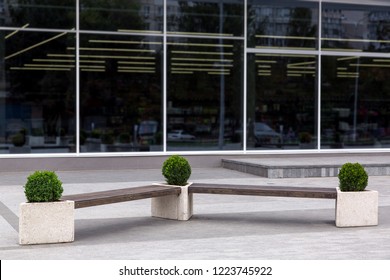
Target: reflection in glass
[
  {"x": 355, "y": 102},
  {"x": 356, "y": 27},
  {"x": 282, "y": 24},
  {"x": 37, "y": 85},
  {"x": 204, "y": 94},
  {"x": 38, "y": 13},
  {"x": 206, "y": 17},
  {"x": 121, "y": 93},
  {"x": 281, "y": 101},
  {"x": 122, "y": 15}
]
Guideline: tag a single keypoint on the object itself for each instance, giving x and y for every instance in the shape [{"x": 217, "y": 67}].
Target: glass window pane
[
  {"x": 355, "y": 102},
  {"x": 356, "y": 26},
  {"x": 206, "y": 17},
  {"x": 38, "y": 14},
  {"x": 121, "y": 93},
  {"x": 37, "y": 92},
  {"x": 282, "y": 24},
  {"x": 281, "y": 102},
  {"x": 122, "y": 15},
  {"x": 204, "y": 94}
]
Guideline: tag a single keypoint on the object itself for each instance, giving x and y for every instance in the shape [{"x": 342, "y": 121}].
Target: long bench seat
[
  {"x": 259, "y": 190},
  {"x": 120, "y": 195},
  {"x": 176, "y": 202}
]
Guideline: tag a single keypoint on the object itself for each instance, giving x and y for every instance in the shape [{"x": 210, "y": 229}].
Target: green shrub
[
  {"x": 352, "y": 178},
  {"x": 107, "y": 138},
  {"x": 43, "y": 186},
  {"x": 305, "y": 137},
  {"x": 124, "y": 138},
  {"x": 176, "y": 170},
  {"x": 19, "y": 139}
]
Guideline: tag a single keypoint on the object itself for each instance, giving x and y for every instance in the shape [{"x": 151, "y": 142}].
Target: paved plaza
[{"x": 223, "y": 226}]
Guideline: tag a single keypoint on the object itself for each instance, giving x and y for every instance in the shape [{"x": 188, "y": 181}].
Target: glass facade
[
  {"x": 121, "y": 98},
  {"x": 281, "y": 101},
  {"x": 204, "y": 94},
  {"x": 144, "y": 76},
  {"x": 283, "y": 24},
  {"x": 355, "y": 102}
]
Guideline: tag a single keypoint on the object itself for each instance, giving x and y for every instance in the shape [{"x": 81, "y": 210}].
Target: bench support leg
[{"x": 175, "y": 207}]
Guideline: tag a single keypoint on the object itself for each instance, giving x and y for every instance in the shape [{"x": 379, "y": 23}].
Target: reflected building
[{"x": 160, "y": 76}]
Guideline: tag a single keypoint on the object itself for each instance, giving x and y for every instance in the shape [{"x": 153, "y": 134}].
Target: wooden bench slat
[
  {"x": 258, "y": 190},
  {"x": 120, "y": 195}
]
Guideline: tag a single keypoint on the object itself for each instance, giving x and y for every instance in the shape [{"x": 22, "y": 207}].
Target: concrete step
[{"x": 302, "y": 167}]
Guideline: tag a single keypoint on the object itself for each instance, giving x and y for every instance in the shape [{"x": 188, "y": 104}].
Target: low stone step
[{"x": 302, "y": 167}]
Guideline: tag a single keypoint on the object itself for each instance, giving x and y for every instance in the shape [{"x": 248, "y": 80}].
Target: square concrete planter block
[
  {"x": 172, "y": 206},
  {"x": 354, "y": 209},
  {"x": 46, "y": 222}
]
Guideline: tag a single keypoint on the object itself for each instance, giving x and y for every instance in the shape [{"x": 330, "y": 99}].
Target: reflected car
[
  {"x": 147, "y": 131},
  {"x": 265, "y": 135},
  {"x": 180, "y": 135}
]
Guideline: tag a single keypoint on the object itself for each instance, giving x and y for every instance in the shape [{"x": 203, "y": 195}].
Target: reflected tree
[
  {"x": 111, "y": 14},
  {"x": 42, "y": 13},
  {"x": 301, "y": 25}
]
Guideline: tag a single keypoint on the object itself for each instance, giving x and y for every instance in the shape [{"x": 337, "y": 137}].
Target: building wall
[{"x": 154, "y": 77}]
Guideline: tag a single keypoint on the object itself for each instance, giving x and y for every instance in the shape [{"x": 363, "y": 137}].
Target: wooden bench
[
  {"x": 120, "y": 195},
  {"x": 174, "y": 202},
  {"x": 349, "y": 210},
  {"x": 259, "y": 190},
  {"x": 177, "y": 202}
]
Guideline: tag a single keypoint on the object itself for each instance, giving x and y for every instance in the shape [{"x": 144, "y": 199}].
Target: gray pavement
[{"x": 223, "y": 227}]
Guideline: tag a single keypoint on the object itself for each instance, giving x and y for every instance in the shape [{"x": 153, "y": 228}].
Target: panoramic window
[
  {"x": 355, "y": 102},
  {"x": 122, "y": 15},
  {"x": 282, "y": 24},
  {"x": 281, "y": 100},
  {"x": 59, "y": 14},
  {"x": 37, "y": 109},
  {"x": 121, "y": 93},
  {"x": 204, "y": 94},
  {"x": 206, "y": 17},
  {"x": 356, "y": 26},
  {"x": 128, "y": 68}
]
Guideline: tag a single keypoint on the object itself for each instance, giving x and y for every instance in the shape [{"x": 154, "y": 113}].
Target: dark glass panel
[
  {"x": 282, "y": 24},
  {"x": 206, "y": 17},
  {"x": 355, "y": 102},
  {"x": 356, "y": 26},
  {"x": 59, "y": 14},
  {"x": 204, "y": 94},
  {"x": 121, "y": 93},
  {"x": 281, "y": 105},
  {"x": 37, "y": 95},
  {"x": 122, "y": 15}
]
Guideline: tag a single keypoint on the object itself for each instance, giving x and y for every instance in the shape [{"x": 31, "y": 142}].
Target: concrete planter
[
  {"x": 172, "y": 206},
  {"x": 356, "y": 209},
  {"x": 36, "y": 140},
  {"x": 46, "y": 222}
]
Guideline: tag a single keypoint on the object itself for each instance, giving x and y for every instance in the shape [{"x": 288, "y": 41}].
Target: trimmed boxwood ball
[
  {"x": 176, "y": 170},
  {"x": 352, "y": 177},
  {"x": 43, "y": 186}
]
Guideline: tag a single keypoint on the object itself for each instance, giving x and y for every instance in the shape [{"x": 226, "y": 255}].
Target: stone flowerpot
[
  {"x": 172, "y": 206},
  {"x": 356, "y": 209},
  {"x": 36, "y": 140},
  {"x": 20, "y": 150},
  {"x": 46, "y": 222}
]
